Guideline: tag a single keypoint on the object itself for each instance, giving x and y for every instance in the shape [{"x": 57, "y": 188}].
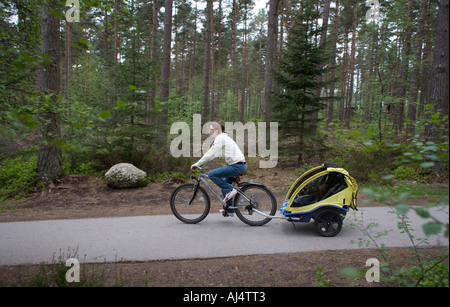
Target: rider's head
[{"x": 216, "y": 128}]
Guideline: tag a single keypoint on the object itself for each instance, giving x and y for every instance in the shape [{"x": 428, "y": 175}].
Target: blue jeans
[{"x": 227, "y": 173}]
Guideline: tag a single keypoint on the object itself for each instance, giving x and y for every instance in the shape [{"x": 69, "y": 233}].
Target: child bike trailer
[{"x": 325, "y": 194}]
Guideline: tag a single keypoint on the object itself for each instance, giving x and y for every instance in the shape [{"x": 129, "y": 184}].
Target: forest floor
[{"x": 89, "y": 197}]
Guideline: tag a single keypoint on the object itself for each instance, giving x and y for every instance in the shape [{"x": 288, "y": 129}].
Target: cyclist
[{"x": 225, "y": 147}]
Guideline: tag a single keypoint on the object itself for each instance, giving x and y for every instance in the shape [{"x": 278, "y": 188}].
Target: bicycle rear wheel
[
  {"x": 188, "y": 204},
  {"x": 261, "y": 198}
]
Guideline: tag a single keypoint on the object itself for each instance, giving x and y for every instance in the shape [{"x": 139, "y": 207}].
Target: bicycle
[{"x": 191, "y": 204}]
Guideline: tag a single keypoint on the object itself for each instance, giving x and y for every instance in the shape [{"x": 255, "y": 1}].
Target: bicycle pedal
[{"x": 225, "y": 213}]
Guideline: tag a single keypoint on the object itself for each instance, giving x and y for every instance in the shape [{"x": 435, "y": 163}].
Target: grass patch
[
  {"x": 54, "y": 275},
  {"x": 414, "y": 189},
  {"x": 177, "y": 176}
]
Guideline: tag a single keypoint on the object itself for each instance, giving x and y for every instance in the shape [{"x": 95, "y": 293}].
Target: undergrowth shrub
[
  {"x": 172, "y": 176},
  {"x": 75, "y": 164},
  {"x": 412, "y": 172},
  {"x": 364, "y": 163},
  {"x": 437, "y": 275},
  {"x": 16, "y": 174}
]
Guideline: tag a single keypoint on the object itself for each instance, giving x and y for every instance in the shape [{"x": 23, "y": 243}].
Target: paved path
[{"x": 144, "y": 238}]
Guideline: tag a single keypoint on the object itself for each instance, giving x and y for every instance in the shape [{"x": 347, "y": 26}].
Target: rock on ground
[{"x": 125, "y": 176}]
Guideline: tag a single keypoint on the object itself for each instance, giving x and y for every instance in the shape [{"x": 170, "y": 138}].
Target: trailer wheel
[{"x": 328, "y": 223}]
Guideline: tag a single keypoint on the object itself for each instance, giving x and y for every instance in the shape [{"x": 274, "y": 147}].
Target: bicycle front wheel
[
  {"x": 190, "y": 204},
  {"x": 260, "y": 198}
]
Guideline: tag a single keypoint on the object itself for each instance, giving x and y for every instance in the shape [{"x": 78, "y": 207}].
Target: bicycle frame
[{"x": 202, "y": 177}]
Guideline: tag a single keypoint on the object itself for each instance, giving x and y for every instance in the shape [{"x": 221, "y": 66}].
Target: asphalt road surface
[{"x": 144, "y": 238}]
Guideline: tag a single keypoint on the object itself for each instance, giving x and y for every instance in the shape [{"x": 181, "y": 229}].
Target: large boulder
[{"x": 125, "y": 176}]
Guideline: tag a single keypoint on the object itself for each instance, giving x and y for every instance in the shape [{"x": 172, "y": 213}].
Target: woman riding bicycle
[{"x": 225, "y": 147}]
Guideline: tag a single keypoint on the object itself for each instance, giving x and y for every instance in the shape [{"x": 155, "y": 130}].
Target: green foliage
[
  {"x": 181, "y": 109},
  {"x": 427, "y": 273},
  {"x": 422, "y": 271},
  {"x": 16, "y": 174},
  {"x": 177, "y": 176},
  {"x": 321, "y": 281},
  {"x": 412, "y": 172},
  {"x": 353, "y": 150},
  {"x": 364, "y": 163},
  {"x": 353, "y": 273},
  {"x": 414, "y": 190},
  {"x": 297, "y": 78},
  {"x": 359, "y": 150},
  {"x": 228, "y": 109},
  {"x": 79, "y": 167},
  {"x": 403, "y": 173},
  {"x": 432, "y": 274}
]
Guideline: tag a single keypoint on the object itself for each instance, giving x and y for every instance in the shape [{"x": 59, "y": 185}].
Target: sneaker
[
  {"x": 225, "y": 213},
  {"x": 230, "y": 195}
]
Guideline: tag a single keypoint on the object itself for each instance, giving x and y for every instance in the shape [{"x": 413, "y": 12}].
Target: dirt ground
[{"x": 89, "y": 197}]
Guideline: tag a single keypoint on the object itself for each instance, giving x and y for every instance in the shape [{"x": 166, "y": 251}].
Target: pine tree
[
  {"x": 50, "y": 156},
  {"x": 297, "y": 79}
]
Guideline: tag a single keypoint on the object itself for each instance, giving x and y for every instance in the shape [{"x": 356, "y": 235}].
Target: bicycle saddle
[{"x": 238, "y": 177}]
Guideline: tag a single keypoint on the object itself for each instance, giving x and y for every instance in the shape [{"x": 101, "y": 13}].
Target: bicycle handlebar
[{"x": 195, "y": 172}]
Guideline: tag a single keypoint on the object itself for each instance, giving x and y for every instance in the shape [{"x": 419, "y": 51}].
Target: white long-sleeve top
[{"x": 225, "y": 147}]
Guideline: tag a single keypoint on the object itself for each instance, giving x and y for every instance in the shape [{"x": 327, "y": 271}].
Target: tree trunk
[
  {"x": 219, "y": 37},
  {"x": 50, "y": 156},
  {"x": 426, "y": 67},
  {"x": 323, "y": 40},
  {"x": 439, "y": 78},
  {"x": 415, "y": 78},
  {"x": 270, "y": 57},
  {"x": 344, "y": 78},
  {"x": 153, "y": 59},
  {"x": 399, "y": 119},
  {"x": 212, "y": 70},
  {"x": 176, "y": 51},
  {"x": 333, "y": 62},
  {"x": 67, "y": 62},
  {"x": 260, "y": 53},
  {"x": 234, "y": 83},
  {"x": 244, "y": 66},
  {"x": 348, "y": 109},
  {"x": 116, "y": 36},
  {"x": 219, "y": 55},
  {"x": 207, "y": 63},
  {"x": 282, "y": 12},
  {"x": 165, "y": 69},
  {"x": 194, "y": 47}
]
